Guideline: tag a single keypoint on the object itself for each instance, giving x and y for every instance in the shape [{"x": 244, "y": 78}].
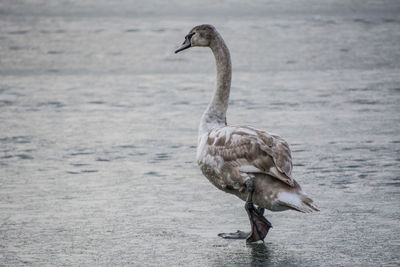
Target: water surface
[{"x": 99, "y": 122}]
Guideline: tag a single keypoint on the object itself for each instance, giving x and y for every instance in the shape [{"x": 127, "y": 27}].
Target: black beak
[{"x": 186, "y": 44}]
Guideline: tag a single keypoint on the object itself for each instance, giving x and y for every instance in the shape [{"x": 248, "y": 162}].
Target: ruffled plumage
[{"x": 228, "y": 155}]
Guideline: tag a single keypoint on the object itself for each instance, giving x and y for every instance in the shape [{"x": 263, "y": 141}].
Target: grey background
[{"x": 98, "y": 125}]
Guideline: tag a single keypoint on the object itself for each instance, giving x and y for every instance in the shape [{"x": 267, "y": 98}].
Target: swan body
[
  {"x": 247, "y": 162},
  {"x": 229, "y": 155}
]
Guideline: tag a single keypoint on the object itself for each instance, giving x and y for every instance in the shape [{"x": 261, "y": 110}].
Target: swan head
[{"x": 201, "y": 35}]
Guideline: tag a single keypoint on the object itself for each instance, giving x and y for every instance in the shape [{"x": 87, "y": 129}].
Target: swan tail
[{"x": 298, "y": 201}]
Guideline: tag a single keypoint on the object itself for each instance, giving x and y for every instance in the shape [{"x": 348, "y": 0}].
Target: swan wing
[{"x": 252, "y": 151}]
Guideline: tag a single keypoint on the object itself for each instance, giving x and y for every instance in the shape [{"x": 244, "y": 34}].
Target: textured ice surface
[{"x": 98, "y": 125}]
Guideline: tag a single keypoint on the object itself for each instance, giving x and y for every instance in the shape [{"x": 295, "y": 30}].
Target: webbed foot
[
  {"x": 259, "y": 224},
  {"x": 237, "y": 235}
]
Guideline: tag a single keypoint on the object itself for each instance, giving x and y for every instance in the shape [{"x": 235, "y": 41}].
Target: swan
[{"x": 252, "y": 164}]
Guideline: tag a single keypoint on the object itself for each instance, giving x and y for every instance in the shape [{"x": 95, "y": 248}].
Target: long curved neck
[{"x": 215, "y": 114}]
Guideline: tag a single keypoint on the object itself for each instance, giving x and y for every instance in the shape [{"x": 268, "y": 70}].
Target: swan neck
[{"x": 215, "y": 114}]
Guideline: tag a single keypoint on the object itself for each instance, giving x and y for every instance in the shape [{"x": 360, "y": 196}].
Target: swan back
[{"x": 237, "y": 151}]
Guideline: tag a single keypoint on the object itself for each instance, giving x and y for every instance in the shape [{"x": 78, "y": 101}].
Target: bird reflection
[{"x": 260, "y": 253}]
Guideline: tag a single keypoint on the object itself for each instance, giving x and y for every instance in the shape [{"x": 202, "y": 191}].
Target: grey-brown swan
[{"x": 250, "y": 163}]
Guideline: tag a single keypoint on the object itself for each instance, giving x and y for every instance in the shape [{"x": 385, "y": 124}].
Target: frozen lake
[{"x": 99, "y": 122}]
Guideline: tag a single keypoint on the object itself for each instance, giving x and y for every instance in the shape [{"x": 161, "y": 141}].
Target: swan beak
[{"x": 186, "y": 44}]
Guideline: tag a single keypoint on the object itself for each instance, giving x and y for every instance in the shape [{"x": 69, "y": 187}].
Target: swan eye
[{"x": 189, "y": 36}]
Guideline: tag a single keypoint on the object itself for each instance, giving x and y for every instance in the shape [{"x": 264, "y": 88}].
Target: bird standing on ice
[{"x": 250, "y": 163}]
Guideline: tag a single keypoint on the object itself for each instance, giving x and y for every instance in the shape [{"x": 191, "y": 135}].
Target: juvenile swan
[{"x": 252, "y": 164}]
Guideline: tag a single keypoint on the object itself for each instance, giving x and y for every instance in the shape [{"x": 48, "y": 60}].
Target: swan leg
[
  {"x": 259, "y": 224},
  {"x": 260, "y": 210}
]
